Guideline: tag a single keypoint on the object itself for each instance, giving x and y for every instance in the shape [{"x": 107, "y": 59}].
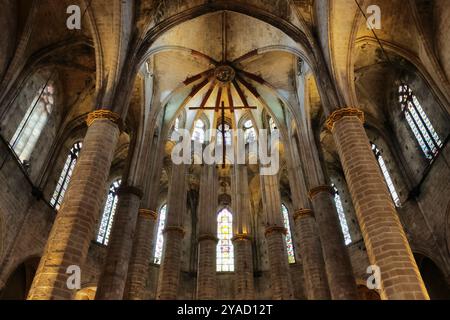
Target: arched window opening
[
  {"x": 289, "y": 242},
  {"x": 176, "y": 127},
  {"x": 66, "y": 175},
  {"x": 387, "y": 176},
  {"x": 108, "y": 213},
  {"x": 249, "y": 132},
  {"x": 225, "y": 250},
  {"x": 420, "y": 124},
  {"x": 341, "y": 215},
  {"x": 228, "y": 138},
  {"x": 33, "y": 123},
  {"x": 272, "y": 125},
  {"x": 160, "y": 236},
  {"x": 199, "y": 131}
]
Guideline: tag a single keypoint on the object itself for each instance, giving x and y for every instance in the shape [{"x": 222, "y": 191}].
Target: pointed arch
[
  {"x": 157, "y": 257},
  {"x": 66, "y": 175},
  {"x": 289, "y": 241},
  {"x": 225, "y": 249},
  {"x": 33, "y": 123},
  {"x": 420, "y": 124},
  {"x": 108, "y": 213},
  {"x": 387, "y": 176}
]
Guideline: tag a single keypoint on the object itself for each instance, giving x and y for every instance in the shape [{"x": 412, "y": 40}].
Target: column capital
[
  {"x": 317, "y": 190},
  {"x": 174, "y": 229},
  {"x": 208, "y": 236},
  {"x": 130, "y": 189},
  {"x": 270, "y": 230},
  {"x": 147, "y": 213},
  {"x": 341, "y": 113},
  {"x": 103, "y": 114},
  {"x": 241, "y": 237},
  {"x": 303, "y": 213}
]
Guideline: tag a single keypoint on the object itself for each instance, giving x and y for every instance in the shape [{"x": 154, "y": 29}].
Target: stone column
[
  {"x": 74, "y": 225},
  {"x": 169, "y": 272},
  {"x": 341, "y": 282},
  {"x": 275, "y": 237},
  {"x": 339, "y": 270},
  {"x": 385, "y": 239},
  {"x": 141, "y": 255},
  {"x": 316, "y": 284},
  {"x": 242, "y": 241},
  {"x": 143, "y": 247},
  {"x": 207, "y": 241},
  {"x": 112, "y": 281},
  {"x": 310, "y": 249}
]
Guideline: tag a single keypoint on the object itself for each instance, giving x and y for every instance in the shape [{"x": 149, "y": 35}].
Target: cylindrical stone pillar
[
  {"x": 315, "y": 278},
  {"x": 112, "y": 281},
  {"x": 206, "y": 272},
  {"x": 243, "y": 267},
  {"x": 275, "y": 237},
  {"x": 144, "y": 238},
  {"x": 74, "y": 225},
  {"x": 316, "y": 284},
  {"x": 169, "y": 271},
  {"x": 142, "y": 251},
  {"x": 207, "y": 226},
  {"x": 338, "y": 266},
  {"x": 384, "y": 237},
  {"x": 278, "y": 261},
  {"x": 242, "y": 241}
]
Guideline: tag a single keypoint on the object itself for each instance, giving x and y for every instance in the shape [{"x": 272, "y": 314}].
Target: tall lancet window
[
  {"x": 159, "y": 236},
  {"x": 289, "y": 242},
  {"x": 65, "y": 176},
  {"x": 272, "y": 125},
  {"x": 420, "y": 124},
  {"x": 108, "y": 213},
  {"x": 249, "y": 132},
  {"x": 387, "y": 176},
  {"x": 225, "y": 250},
  {"x": 228, "y": 138},
  {"x": 175, "y": 128},
  {"x": 341, "y": 215},
  {"x": 33, "y": 123},
  {"x": 199, "y": 131}
]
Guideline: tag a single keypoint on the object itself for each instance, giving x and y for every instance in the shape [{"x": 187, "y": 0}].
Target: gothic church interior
[{"x": 96, "y": 95}]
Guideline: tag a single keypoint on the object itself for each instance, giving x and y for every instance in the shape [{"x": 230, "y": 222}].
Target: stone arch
[
  {"x": 20, "y": 280},
  {"x": 365, "y": 293},
  {"x": 437, "y": 285},
  {"x": 447, "y": 230},
  {"x": 86, "y": 293}
]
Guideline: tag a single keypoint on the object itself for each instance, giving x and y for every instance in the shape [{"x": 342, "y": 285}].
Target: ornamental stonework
[{"x": 341, "y": 113}]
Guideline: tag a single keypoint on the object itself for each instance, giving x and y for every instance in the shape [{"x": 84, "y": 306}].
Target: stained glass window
[
  {"x": 220, "y": 131},
  {"x": 160, "y": 236},
  {"x": 420, "y": 124},
  {"x": 108, "y": 213},
  {"x": 225, "y": 250},
  {"x": 199, "y": 131},
  {"x": 341, "y": 215},
  {"x": 289, "y": 243},
  {"x": 33, "y": 123},
  {"x": 176, "y": 128},
  {"x": 65, "y": 176},
  {"x": 387, "y": 176},
  {"x": 249, "y": 132},
  {"x": 272, "y": 125}
]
